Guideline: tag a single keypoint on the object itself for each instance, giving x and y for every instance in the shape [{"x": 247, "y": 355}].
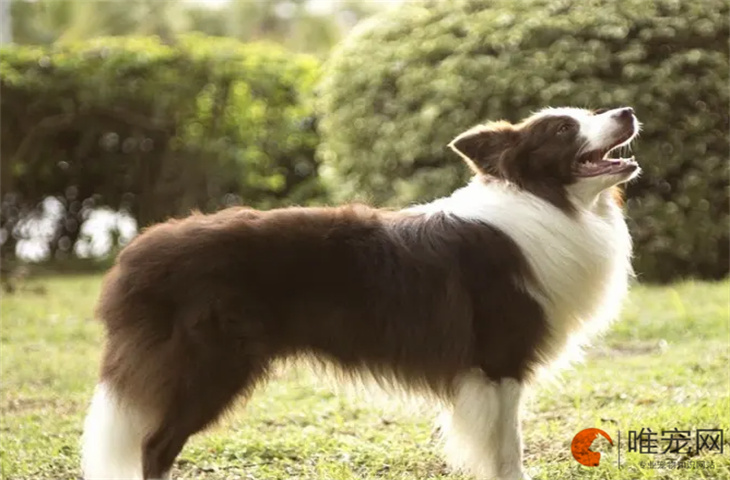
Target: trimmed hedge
[
  {"x": 156, "y": 129},
  {"x": 402, "y": 86}
]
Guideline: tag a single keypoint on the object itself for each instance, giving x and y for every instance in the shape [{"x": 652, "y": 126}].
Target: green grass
[{"x": 664, "y": 365}]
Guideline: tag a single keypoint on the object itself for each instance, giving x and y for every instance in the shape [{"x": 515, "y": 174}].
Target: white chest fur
[{"x": 581, "y": 263}]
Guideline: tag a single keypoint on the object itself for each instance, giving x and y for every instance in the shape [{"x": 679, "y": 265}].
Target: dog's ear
[{"x": 485, "y": 147}]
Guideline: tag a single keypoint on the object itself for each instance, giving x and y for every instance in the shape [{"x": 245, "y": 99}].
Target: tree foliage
[
  {"x": 291, "y": 23},
  {"x": 402, "y": 86},
  {"x": 153, "y": 129}
]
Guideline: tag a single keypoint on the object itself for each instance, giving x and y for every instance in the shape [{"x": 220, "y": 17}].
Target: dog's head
[{"x": 559, "y": 154}]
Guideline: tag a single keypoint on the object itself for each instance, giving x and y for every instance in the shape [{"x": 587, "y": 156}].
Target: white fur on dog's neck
[{"x": 581, "y": 262}]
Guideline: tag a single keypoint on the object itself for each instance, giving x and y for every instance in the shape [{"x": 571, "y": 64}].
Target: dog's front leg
[
  {"x": 509, "y": 431},
  {"x": 482, "y": 428}
]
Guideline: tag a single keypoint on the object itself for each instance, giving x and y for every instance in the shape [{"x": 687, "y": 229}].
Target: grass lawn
[{"x": 663, "y": 366}]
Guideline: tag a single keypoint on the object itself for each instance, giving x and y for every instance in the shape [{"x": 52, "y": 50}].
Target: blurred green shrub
[
  {"x": 155, "y": 129},
  {"x": 402, "y": 86}
]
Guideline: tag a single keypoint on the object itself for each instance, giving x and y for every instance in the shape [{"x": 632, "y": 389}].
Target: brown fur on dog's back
[{"x": 197, "y": 308}]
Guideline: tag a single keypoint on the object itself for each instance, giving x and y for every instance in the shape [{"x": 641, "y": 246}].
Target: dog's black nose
[{"x": 624, "y": 112}]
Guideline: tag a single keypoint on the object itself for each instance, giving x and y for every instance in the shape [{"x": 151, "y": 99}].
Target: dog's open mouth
[{"x": 594, "y": 163}]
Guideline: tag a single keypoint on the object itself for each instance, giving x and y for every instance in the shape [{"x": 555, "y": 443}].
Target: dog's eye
[
  {"x": 600, "y": 111},
  {"x": 564, "y": 128}
]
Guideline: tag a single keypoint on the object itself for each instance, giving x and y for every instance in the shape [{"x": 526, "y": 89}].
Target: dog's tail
[
  {"x": 114, "y": 432},
  {"x": 120, "y": 418},
  {"x": 168, "y": 371}
]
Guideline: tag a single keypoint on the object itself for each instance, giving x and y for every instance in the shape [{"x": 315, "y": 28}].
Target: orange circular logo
[{"x": 581, "y": 446}]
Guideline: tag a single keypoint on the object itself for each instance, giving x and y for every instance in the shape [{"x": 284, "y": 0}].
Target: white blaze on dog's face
[{"x": 559, "y": 154}]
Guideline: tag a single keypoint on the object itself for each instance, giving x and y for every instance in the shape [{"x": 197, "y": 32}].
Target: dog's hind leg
[
  {"x": 154, "y": 393},
  {"x": 198, "y": 400},
  {"x": 481, "y": 430}
]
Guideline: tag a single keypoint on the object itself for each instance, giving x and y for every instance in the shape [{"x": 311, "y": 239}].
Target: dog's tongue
[{"x": 605, "y": 166}]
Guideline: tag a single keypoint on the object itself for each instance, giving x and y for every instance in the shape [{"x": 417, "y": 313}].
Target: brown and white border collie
[{"x": 464, "y": 298}]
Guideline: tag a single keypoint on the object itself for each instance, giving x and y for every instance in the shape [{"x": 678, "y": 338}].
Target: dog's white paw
[{"x": 514, "y": 476}]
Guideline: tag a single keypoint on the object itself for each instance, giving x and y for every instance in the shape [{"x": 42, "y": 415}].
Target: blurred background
[{"x": 119, "y": 114}]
